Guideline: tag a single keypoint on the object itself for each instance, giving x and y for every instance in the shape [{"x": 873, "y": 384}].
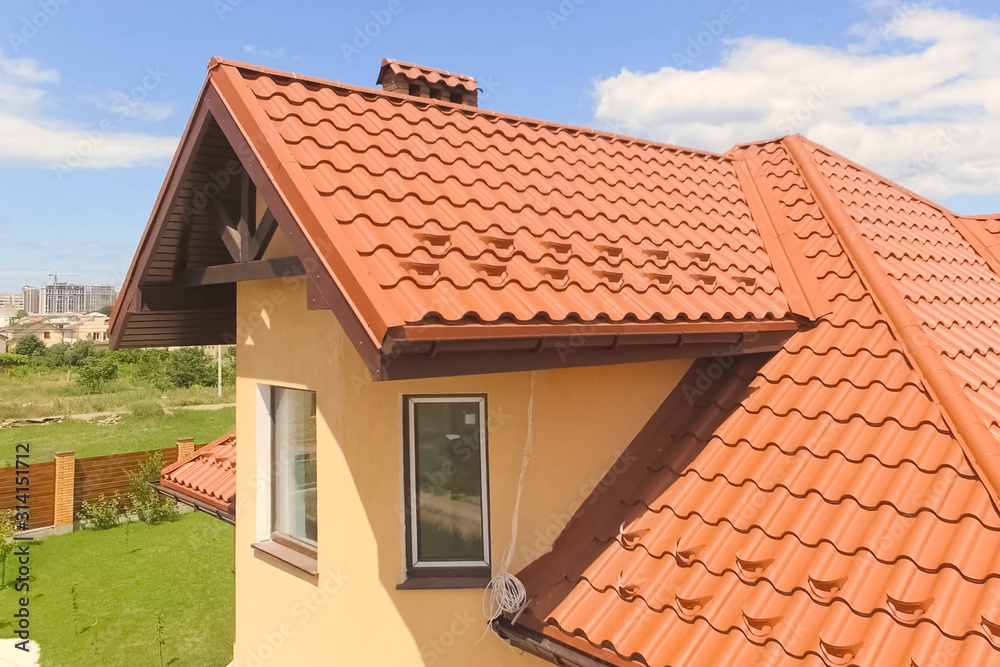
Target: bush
[
  {"x": 7, "y": 359},
  {"x": 97, "y": 371},
  {"x": 151, "y": 367},
  {"x": 79, "y": 351},
  {"x": 7, "y": 525},
  {"x": 146, "y": 409},
  {"x": 30, "y": 346},
  {"x": 103, "y": 514},
  {"x": 58, "y": 354},
  {"x": 189, "y": 366},
  {"x": 69, "y": 354},
  {"x": 148, "y": 505}
]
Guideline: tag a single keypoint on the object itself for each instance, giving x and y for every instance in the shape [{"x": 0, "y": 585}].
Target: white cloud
[
  {"x": 275, "y": 53},
  {"x": 916, "y": 97},
  {"x": 29, "y": 136},
  {"x": 123, "y": 105},
  {"x": 28, "y": 69}
]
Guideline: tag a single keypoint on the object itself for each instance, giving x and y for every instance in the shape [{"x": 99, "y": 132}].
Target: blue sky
[{"x": 93, "y": 95}]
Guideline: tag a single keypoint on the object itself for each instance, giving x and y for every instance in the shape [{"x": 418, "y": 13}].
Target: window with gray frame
[
  {"x": 446, "y": 488},
  {"x": 293, "y": 468}
]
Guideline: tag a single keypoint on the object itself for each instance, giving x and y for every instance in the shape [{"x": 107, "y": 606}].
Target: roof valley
[{"x": 962, "y": 417}]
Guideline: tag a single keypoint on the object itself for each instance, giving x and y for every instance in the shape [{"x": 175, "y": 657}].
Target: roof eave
[{"x": 544, "y": 647}]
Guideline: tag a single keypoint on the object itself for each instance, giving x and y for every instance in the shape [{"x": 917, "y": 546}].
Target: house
[
  {"x": 7, "y": 315},
  {"x": 711, "y": 409},
  {"x": 91, "y": 327},
  {"x": 48, "y": 331}
]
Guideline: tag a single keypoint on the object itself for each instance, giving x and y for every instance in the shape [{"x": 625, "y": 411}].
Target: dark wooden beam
[
  {"x": 230, "y": 236},
  {"x": 262, "y": 269},
  {"x": 170, "y": 298},
  {"x": 261, "y": 237},
  {"x": 248, "y": 215}
]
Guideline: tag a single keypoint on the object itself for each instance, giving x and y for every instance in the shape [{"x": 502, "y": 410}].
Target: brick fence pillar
[
  {"x": 65, "y": 480},
  {"x": 185, "y": 447}
]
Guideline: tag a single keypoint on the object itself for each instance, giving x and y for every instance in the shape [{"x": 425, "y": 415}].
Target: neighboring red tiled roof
[
  {"x": 208, "y": 476},
  {"x": 821, "y": 510},
  {"x": 428, "y": 74}
]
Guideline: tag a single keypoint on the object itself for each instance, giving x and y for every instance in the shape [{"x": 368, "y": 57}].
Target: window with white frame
[
  {"x": 446, "y": 484},
  {"x": 287, "y": 452}
]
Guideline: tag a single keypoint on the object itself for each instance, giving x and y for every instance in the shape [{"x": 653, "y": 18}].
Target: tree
[
  {"x": 79, "y": 351},
  {"x": 105, "y": 311},
  {"x": 189, "y": 366},
  {"x": 97, "y": 371},
  {"x": 21, "y": 314},
  {"x": 30, "y": 346}
]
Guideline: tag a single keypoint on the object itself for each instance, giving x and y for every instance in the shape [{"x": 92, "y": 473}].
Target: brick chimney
[{"x": 427, "y": 82}]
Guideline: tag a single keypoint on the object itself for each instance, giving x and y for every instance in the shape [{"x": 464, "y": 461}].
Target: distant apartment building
[
  {"x": 14, "y": 300},
  {"x": 32, "y": 298},
  {"x": 58, "y": 298},
  {"x": 96, "y": 297}
]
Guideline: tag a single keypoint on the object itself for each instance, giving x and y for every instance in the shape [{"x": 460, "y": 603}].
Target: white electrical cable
[{"x": 505, "y": 593}]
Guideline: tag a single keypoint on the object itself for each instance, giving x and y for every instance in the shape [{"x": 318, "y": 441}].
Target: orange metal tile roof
[
  {"x": 830, "y": 504},
  {"x": 207, "y": 476},
  {"x": 833, "y": 504},
  {"x": 449, "y": 214}
]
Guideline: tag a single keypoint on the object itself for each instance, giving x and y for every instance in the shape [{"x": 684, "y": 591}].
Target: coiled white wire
[{"x": 505, "y": 593}]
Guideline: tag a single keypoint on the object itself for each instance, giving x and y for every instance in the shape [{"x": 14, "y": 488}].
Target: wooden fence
[
  {"x": 41, "y": 498},
  {"x": 58, "y": 488}
]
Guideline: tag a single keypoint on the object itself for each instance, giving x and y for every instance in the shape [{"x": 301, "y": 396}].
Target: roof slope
[
  {"x": 443, "y": 221},
  {"x": 506, "y": 219},
  {"x": 821, "y": 510},
  {"x": 207, "y": 478}
]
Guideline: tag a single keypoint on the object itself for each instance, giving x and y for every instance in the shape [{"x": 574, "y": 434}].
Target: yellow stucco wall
[{"x": 353, "y": 615}]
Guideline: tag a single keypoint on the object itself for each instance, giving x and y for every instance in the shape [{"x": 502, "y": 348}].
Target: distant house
[
  {"x": 7, "y": 315},
  {"x": 48, "y": 332},
  {"x": 711, "y": 409},
  {"x": 92, "y": 327}
]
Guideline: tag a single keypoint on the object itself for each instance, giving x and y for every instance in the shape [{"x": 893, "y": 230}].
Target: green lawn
[
  {"x": 131, "y": 435},
  {"x": 182, "y": 570}
]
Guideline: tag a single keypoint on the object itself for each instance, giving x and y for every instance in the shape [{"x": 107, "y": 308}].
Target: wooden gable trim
[
  {"x": 191, "y": 139},
  {"x": 314, "y": 268}
]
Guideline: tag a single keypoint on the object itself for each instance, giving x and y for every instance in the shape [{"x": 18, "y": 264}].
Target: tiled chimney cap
[
  {"x": 429, "y": 74},
  {"x": 428, "y": 82}
]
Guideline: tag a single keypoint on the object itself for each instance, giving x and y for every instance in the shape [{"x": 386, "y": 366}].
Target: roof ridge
[
  {"x": 216, "y": 61},
  {"x": 964, "y": 419},
  {"x": 944, "y": 210}
]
